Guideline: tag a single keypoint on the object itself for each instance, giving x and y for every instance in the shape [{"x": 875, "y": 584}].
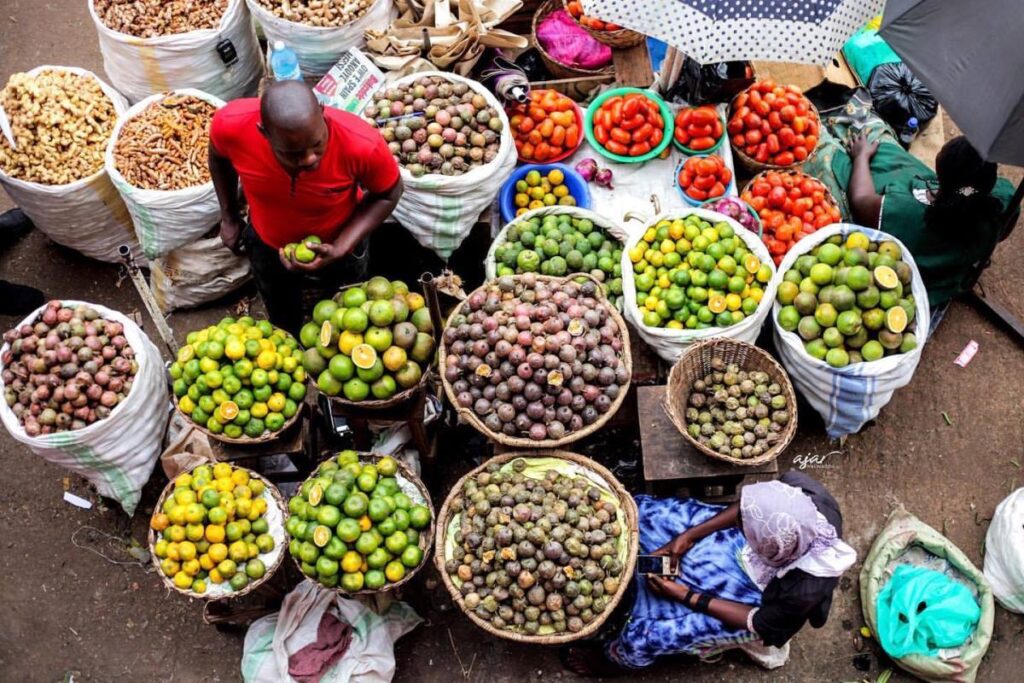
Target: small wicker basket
[
  {"x": 620, "y": 39},
  {"x": 626, "y": 503},
  {"x": 467, "y": 415},
  {"x": 755, "y": 166},
  {"x": 426, "y": 536},
  {"x": 266, "y": 437},
  {"x": 695, "y": 364},
  {"x": 557, "y": 69},
  {"x": 278, "y": 552}
]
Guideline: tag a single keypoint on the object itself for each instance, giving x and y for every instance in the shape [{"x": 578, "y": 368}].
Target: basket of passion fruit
[
  {"x": 371, "y": 345},
  {"x": 239, "y": 381},
  {"x": 361, "y": 524},
  {"x": 217, "y": 532}
]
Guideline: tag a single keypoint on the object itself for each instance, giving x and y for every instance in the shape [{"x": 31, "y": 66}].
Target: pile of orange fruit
[{"x": 546, "y": 128}]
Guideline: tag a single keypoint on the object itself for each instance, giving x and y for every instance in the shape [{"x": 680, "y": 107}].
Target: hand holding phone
[{"x": 659, "y": 565}]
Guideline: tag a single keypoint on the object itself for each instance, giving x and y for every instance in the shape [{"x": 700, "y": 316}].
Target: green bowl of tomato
[{"x": 630, "y": 134}]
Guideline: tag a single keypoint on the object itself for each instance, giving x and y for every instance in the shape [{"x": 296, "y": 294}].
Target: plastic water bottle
[
  {"x": 908, "y": 132},
  {"x": 284, "y": 63}
]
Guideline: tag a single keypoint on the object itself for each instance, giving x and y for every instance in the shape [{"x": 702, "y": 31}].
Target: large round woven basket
[
  {"x": 695, "y": 363},
  {"x": 426, "y": 378},
  {"x": 410, "y": 484},
  {"x": 626, "y": 505},
  {"x": 755, "y": 166},
  {"x": 467, "y": 415},
  {"x": 275, "y": 516},
  {"x": 557, "y": 69},
  {"x": 620, "y": 39},
  {"x": 266, "y": 437}
]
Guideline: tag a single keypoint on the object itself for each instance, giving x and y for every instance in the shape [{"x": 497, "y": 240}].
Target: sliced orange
[
  {"x": 227, "y": 411},
  {"x": 896, "y": 319},
  {"x": 886, "y": 277},
  {"x": 717, "y": 303},
  {"x": 752, "y": 263},
  {"x": 316, "y": 494},
  {"x": 364, "y": 356}
]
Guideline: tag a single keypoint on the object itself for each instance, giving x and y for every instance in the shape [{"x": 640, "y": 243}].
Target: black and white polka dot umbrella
[{"x": 807, "y": 31}]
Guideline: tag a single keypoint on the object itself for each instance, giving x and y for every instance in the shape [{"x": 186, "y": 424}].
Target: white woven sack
[
  {"x": 847, "y": 398},
  {"x": 197, "y": 274},
  {"x": 86, "y": 215},
  {"x": 1004, "y": 552},
  {"x": 140, "y": 67},
  {"x": 670, "y": 344},
  {"x": 117, "y": 454},
  {"x": 440, "y": 210},
  {"x": 319, "y": 47},
  {"x": 606, "y": 224},
  {"x": 165, "y": 219}
]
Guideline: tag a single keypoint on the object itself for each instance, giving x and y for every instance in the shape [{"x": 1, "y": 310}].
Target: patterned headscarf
[{"x": 785, "y": 531}]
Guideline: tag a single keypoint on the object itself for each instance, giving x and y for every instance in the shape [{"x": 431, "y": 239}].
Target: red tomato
[
  {"x": 616, "y": 147},
  {"x": 656, "y": 137},
  {"x": 639, "y": 149},
  {"x": 704, "y": 182},
  {"x": 621, "y": 136},
  {"x": 601, "y": 135},
  {"x": 777, "y": 197},
  {"x": 698, "y": 144},
  {"x": 633, "y": 123}
]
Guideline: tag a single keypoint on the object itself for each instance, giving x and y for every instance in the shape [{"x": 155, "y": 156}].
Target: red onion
[
  {"x": 604, "y": 178},
  {"x": 587, "y": 168}
]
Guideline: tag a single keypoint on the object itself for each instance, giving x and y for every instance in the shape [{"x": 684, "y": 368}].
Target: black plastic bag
[
  {"x": 897, "y": 95},
  {"x": 718, "y": 82}
]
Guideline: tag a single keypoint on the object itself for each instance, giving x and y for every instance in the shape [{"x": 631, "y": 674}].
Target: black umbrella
[{"x": 971, "y": 57}]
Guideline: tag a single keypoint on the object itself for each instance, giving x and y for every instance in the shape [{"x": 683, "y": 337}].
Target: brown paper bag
[{"x": 189, "y": 448}]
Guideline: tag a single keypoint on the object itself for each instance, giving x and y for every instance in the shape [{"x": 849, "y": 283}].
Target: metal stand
[{"x": 146, "y": 294}]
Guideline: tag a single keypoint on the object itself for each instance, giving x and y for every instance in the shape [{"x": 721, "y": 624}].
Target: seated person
[
  {"x": 750, "y": 575},
  {"x": 950, "y": 219}
]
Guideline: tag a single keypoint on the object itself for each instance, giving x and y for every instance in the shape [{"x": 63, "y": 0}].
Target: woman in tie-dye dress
[{"x": 750, "y": 576}]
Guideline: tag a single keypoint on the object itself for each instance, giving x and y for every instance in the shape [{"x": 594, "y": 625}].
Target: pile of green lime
[
  {"x": 850, "y": 300},
  {"x": 369, "y": 342},
  {"x": 241, "y": 378},
  {"x": 352, "y": 527},
  {"x": 558, "y": 244}
]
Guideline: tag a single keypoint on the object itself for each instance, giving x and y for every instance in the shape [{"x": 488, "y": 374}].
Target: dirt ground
[{"x": 67, "y": 610}]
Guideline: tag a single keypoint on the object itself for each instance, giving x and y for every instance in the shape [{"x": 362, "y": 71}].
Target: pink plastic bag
[{"x": 570, "y": 45}]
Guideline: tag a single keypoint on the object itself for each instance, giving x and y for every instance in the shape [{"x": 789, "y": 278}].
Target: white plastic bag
[
  {"x": 370, "y": 657},
  {"x": 670, "y": 344},
  {"x": 440, "y": 210},
  {"x": 197, "y": 274},
  {"x": 140, "y": 67},
  {"x": 847, "y": 398},
  {"x": 319, "y": 47},
  {"x": 86, "y": 215},
  {"x": 165, "y": 219},
  {"x": 1004, "y": 552},
  {"x": 609, "y": 226},
  {"x": 117, "y": 454}
]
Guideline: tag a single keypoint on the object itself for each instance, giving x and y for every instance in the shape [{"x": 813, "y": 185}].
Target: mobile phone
[{"x": 654, "y": 564}]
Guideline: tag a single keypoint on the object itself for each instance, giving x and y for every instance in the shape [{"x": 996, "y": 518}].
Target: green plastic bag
[
  {"x": 921, "y": 611},
  {"x": 904, "y": 537},
  {"x": 865, "y": 50}
]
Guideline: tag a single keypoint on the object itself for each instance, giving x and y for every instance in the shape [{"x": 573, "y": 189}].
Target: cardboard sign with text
[{"x": 351, "y": 83}]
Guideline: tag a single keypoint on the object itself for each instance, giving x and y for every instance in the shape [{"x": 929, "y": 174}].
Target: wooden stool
[
  {"x": 409, "y": 412},
  {"x": 297, "y": 443},
  {"x": 671, "y": 464}
]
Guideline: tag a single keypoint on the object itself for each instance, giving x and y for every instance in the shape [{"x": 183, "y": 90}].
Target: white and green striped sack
[
  {"x": 440, "y": 210},
  {"x": 117, "y": 454},
  {"x": 165, "y": 219},
  {"x": 370, "y": 657},
  {"x": 320, "y": 47}
]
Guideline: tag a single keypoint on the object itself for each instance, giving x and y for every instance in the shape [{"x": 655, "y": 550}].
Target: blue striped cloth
[{"x": 658, "y": 626}]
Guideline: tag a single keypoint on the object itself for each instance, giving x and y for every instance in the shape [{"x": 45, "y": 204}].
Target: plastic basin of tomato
[
  {"x": 690, "y": 201},
  {"x": 573, "y": 180},
  {"x": 565, "y": 153},
  {"x": 774, "y": 195},
  {"x": 696, "y": 152},
  {"x": 666, "y": 117}
]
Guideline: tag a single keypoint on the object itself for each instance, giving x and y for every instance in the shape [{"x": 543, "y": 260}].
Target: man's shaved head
[{"x": 292, "y": 120}]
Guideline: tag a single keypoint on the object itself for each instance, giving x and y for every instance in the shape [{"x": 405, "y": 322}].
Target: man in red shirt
[{"x": 305, "y": 170}]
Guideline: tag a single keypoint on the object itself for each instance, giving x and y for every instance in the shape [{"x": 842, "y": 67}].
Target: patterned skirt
[{"x": 659, "y": 626}]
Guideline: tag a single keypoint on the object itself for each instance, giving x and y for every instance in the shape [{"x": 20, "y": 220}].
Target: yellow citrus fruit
[
  {"x": 191, "y": 567},
  {"x": 394, "y": 358},
  {"x": 183, "y": 481},
  {"x": 414, "y": 301},
  {"x": 187, "y": 550},
  {"x": 218, "y": 552},
  {"x": 206, "y": 562},
  {"x": 170, "y": 567},
  {"x": 199, "y": 586},
  {"x": 227, "y": 411},
  {"x": 276, "y": 402},
  {"x": 176, "y": 533},
  {"x": 159, "y": 522},
  {"x": 194, "y": 532},
  {"x": 160, "y": 548},
  {"x": 365, "y": 523},
  {"x": 259, "y": 410},
  {"x": 182, "y": 580},
  {"x": 240, "y": 477},
  {"x": 221, "y": 469},
  {"x": 234, "y": 349},
  {"x": 214, "y": 533},
  {"x": 351, "y": 562},
  {"x": 238, "y": 551}
]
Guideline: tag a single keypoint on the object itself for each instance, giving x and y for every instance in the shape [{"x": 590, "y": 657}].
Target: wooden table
[{"x": 673, "y": 467}]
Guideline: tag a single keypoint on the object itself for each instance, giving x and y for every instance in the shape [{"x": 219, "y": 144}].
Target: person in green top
[{"x": 950, "y": 219}]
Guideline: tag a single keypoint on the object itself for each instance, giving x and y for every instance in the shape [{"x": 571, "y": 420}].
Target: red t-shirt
[{"x": 318, "y": 202}]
